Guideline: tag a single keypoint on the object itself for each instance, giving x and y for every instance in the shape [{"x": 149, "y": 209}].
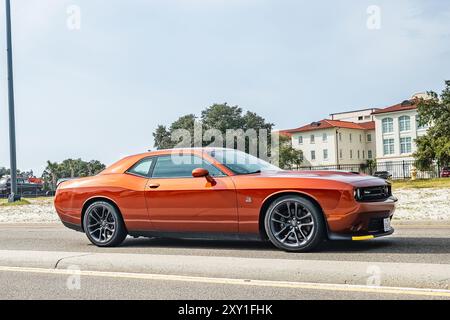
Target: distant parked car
[
  {"x": 445, "y": 172},
  {"x": 386, "y": 175},
  {"x": 24, "y": 187}
]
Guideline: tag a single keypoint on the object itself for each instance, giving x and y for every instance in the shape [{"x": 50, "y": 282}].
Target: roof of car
[{"x": 125, "y": 163}]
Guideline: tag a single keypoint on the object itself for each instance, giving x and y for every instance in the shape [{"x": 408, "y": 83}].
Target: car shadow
[{"x": 404, "y": 245}]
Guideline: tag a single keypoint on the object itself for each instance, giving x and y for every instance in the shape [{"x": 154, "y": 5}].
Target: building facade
[
  {"x": 357, "y": 116},
  {"x": 334, "y": 142},
  {"x": 396, "y": 129}
]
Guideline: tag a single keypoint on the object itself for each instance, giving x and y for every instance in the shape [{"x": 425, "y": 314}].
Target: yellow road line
[{"x": 242, "y": 282}]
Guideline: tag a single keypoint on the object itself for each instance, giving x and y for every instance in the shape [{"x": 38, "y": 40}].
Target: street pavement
[{"x": 39, "y": 261}]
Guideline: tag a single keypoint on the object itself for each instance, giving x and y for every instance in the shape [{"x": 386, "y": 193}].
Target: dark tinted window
[
  {"x": 142, "y": 168},
  {"x": 181, "y": 166}
]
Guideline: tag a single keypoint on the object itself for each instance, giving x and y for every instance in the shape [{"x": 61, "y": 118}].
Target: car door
[{"x": 178, "y": 202}]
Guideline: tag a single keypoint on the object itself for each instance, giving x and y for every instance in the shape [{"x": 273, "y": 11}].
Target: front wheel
[
  {"x": 103, "y": 225},
  {"x": 295, "y": 224}
]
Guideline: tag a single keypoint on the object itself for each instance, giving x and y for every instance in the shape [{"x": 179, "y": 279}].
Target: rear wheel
[
  {"x": 295, "y": 224},
  {"x": 103, "y": 225}
]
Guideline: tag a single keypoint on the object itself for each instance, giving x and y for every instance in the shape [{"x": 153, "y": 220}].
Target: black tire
[
  {"x": 106, "y": 218},
  {"x": 302, "y": 226}
]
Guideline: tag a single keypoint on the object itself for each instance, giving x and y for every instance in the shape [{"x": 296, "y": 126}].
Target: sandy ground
[
  {"x": 414, "y": 204},
  {"x": 423, "y": 204},
  {"x": 40, "y": 210}
]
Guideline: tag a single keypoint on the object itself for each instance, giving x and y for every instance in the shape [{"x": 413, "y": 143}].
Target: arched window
[
  {"x": 404, "y": 122},
  {"x": 388, "y": 125}
]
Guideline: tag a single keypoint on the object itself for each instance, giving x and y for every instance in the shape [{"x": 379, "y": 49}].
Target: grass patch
[
  {"x": 418, "y": 184},
  {"x": 5, "y": 203}
]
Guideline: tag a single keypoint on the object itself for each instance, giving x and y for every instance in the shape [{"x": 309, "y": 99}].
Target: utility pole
[{"x": 12, "y": 125}]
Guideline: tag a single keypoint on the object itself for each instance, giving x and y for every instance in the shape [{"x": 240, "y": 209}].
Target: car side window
[
  {"x": 181, "y": 166},
  {"x": 142, "y": 168}
]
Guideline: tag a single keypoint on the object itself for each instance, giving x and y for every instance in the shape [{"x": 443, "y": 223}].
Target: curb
[{"x": 413, "y": 275}]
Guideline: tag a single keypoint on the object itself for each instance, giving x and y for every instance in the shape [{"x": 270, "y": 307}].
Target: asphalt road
[{"x": 414, "y": 248}]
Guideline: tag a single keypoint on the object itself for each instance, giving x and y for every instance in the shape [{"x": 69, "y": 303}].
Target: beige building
[{"x": 333, "y": 142}]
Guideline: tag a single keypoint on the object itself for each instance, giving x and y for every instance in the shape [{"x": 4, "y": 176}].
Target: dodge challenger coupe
[{"x": 224, "y": 194}]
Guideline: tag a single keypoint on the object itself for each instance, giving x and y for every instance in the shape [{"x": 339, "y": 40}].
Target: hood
[{"x": 355, "y": 179}]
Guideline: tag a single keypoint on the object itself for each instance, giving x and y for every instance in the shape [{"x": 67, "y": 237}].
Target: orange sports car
[{"x": 224, "y": 194}]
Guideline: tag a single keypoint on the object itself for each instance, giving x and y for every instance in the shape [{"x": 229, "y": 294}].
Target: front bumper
[
  {"x": 361, "y": 237},
  {"x": 364, "y": 222}
]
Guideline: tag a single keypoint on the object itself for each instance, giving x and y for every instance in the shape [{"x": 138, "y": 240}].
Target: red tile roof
[
  {"x": 326, "y": 123},
  {"x": 405, "y": 105}
]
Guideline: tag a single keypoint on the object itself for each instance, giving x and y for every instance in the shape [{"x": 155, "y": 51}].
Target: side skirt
[
  {"x": 196, "y": 235},
  {"x": 72, "y": 226}
]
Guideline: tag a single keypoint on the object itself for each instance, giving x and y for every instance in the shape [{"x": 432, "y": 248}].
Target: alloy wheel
[
  {"x": 291, "y": 223},
  {"x": 101, "y": 223}
]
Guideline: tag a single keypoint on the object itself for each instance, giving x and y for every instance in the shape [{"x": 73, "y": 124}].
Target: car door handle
[{"x": 154, "y": 185}]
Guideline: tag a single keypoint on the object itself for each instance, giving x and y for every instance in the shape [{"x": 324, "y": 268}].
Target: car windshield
[{"x": 242, "y": 163}]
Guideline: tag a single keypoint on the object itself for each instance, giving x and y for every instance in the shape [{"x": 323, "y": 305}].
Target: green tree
[
  {"x": 221, "y": 117},
  {"x": 434, "y": 146},
  {"x": 162, "y": 138},
  {"x": 69, "y": 168},
  {"x": 51, "y": 175},
  {"x": 289, "y": 157}
]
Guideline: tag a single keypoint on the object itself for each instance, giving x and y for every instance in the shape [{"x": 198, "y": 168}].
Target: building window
[
  {"x": 419, "y": 127},
  {"x": 367, "y": 117},
  {"x": 405, "y": 145},
  {"x": 364, "y": 154},
  {"x": 369, "y": 138},
  {"x": 350, "y": 135},
  {"x": 312, "y": 139},
  {"x": 325, "y": 154},
  {"x": 324, "y": 137},
  {"x": 369, "y": 154},
  {"x": 404, "y": 123},
  {"x": 360, "y": 138},
  {"x": 388, "y": 146},
  {"x": 300, "y": 139},
  {"x": 359, "y": 154},
  {"x": 360, "y": 118},
  {"x": 313, "y": 155},
  {"x": 340, "y": 154},
  {"x": 387, "y": 125},
  {"x": 351, "y": 154},
  {"x": 340, "y": 136}
]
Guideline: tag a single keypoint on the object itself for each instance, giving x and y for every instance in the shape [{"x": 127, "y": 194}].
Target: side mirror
[{"x": 200, "y": 172}]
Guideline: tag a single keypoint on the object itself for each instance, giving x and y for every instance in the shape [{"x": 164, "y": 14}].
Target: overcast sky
[{"x": 100, "y": 91}]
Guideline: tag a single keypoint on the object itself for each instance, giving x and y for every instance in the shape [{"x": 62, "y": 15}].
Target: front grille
[
  {"x": 368, "y": 194},
  {"x": 376, "y": 225}
]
